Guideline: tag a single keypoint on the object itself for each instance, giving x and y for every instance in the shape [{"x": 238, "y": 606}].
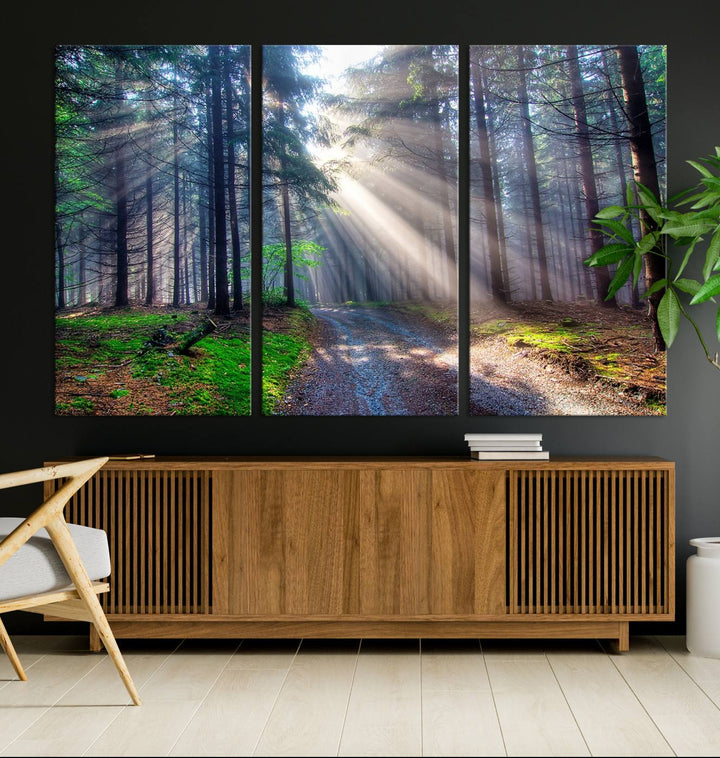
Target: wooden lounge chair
[{"x": 49, "y": 566}]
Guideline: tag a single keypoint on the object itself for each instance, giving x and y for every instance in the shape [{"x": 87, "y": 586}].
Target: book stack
[{"x": 506, "y": 447}]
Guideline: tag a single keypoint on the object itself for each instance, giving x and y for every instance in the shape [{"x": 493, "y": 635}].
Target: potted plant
[{"x": 691, "y": 220}]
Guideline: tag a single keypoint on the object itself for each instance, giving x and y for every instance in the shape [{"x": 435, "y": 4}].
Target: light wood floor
[{"x": 357, "y": 698}]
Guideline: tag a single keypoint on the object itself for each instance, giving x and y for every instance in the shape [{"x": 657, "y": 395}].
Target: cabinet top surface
[{"x": 363, "y": 462}]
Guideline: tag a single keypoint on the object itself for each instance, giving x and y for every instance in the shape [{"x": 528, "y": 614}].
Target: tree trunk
[
  {"x": 176, "y": 204},
  {"x": 82, "y": 276},
  {"x": 210, "y": 206},
  {"x": 149, "y": 233},
  {"x": 121, "y": 216},
  {"x": 289, "y": 276},
  {"x": 203, "y": 242},
  {"x": 445, "y": 200},
  {"x": 587, "y": 172},
  {"x": 60, "y": 247},
  {"x": 545, "y": 292},
  {"x": 644, "y": 166},
  {"x": 610, "y": 104},
  {"x": 232, "y": 198},
  {"x": 489, "y": 203},
  {"x": 186, "y": 288},
  {"x": 222, "y": 298},
  {"x": 502, "y": 248}
]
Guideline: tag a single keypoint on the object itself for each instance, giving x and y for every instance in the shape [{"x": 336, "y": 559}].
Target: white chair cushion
[{"x": 36, "y": 567}]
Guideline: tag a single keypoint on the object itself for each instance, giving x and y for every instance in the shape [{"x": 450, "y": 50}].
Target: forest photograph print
[
  {"x": 360, "y": 229},
  {"x": 558, "y": 133},
  {"x": 152, "y": 235},
  {"x": 354, "y": 234}
]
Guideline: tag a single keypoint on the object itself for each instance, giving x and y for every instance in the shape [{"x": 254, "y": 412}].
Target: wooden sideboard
[{"x": 384, "y": 547}]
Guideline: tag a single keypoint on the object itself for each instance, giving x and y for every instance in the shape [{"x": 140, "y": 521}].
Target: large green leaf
[
  {"x": 608, "y": 254},
  {"x": 618, "y": 230},
  {"x": 629, "y": 197},
  {"x": 623, "y": 273},
  {"x": 686, "y": 259},
  {"x": 713, "y": 254},
  {"x": 658, "y": 285},
  {"x": 687, "y": 228},
  {"x": 687, "y": 285},
  {"x": 649, "y": 202},
  {"x": 708, "y": 290},
  {"x": 612, "y": 211},
  {"x": 668, "y": 315},
  {"x": 699, "y": 167},
  {"x": 647, "y": 243},
  {"x": 637, "y": 269}
]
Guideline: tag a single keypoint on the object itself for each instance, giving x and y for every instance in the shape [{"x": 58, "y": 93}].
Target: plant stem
[{"x": 714, "y": 361}]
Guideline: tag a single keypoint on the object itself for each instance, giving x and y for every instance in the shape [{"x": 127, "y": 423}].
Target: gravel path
[
  {"x": 375, "y": 362},
  {"x": 384, "y": 362},
  {"x": 509, "y": 382}
]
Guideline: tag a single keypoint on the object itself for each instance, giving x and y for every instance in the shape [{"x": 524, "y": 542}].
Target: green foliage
[
  {"x": 283, "y": 354},
  {"x": 214, "y": 381},
  {"x": 306, "y": 254},
  {"x": 562, "y": 338},
  {"x": 123, "y": 319},
  {"x": 692, "y": 230},
  {"x": 83, "y": 404},
  {"x": 445, "y": 316},
  {"x": 106, "y": 339}
]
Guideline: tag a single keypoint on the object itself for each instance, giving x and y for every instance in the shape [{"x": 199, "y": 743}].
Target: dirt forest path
[
  {"x": 506, "y": 381},
  {"x": 384, "y": 361},
  {"x": 375, "y": 361}
]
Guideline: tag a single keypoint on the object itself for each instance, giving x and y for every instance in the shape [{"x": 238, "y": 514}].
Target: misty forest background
[{"x": 360, "y": 208}]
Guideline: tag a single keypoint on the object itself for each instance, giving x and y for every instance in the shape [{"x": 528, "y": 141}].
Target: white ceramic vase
[{"x": 703, "y": 598}]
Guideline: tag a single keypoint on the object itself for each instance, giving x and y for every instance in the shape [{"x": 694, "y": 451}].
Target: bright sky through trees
[{"x": 336, "y": 59}]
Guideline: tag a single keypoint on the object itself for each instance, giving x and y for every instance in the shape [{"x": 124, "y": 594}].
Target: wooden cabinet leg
[
  {"x": 95, "y": 643},
  {"x": 622, "y": 643},
  {"x": 624, "y": 637}
]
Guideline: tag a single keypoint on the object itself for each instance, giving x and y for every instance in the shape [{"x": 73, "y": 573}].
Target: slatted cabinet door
[
  {"x": 158, "y": 523},
  {"x": 591, "y": 542}
]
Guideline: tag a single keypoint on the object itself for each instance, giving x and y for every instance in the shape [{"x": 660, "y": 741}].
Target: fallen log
[{"x": 201, "y": 330}]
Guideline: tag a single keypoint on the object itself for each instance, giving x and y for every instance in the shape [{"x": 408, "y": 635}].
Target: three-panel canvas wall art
[{"x": 384, "y": 204}]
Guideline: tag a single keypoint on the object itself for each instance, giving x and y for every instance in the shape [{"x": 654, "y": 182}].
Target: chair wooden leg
[
  {"x": 70, "y": 557},
  {"x": 7, "y": 646}
]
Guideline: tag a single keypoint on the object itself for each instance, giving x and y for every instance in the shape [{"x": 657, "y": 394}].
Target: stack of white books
[{"x": 507, "y": 447}]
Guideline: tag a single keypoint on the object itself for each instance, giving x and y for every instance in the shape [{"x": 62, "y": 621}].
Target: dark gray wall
[{"x": 29, "y": 433}]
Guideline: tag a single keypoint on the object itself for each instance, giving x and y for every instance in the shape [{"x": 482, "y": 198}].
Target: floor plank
[
  {"x": 610, "y": 717},
  {"x": 49, "y": 678},
  {"x": 384, "y": 712},
  {"x": 458, "y": 710},
  {"x": 308, "y": 716},
  {"x": 232, "y": 717},
  {"x": 534, "y": 716},
  {"x": 64, "y": 731},
  {"x": 686, "y": 716},
  {"x": 171, "y": 697},
  {"x": 460, "y": 723},
  {"x": 89, "y": 707},
  {"x": 378, "y": 697},
  {"x": 705, "y": 672},
  {"x": 264, "y": 654},
  {"x": 453, "y": 665},
  {"x": 148, "y": 730}
]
